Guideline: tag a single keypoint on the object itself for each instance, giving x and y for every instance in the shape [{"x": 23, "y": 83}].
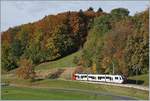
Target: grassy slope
[
  {"x": 75, "y": 85},
  {"x": 27, "y": 93},
  {"x": 63, "y": 62},
  {"x": 96, "y": 87},
  {"x": 144, "y": 77}
]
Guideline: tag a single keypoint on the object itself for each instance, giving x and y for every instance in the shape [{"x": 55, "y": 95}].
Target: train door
[
  {"x": 109, "y": 79},
  {"x": 101, "y": 78},
  {"x": 116, "y": 79}
]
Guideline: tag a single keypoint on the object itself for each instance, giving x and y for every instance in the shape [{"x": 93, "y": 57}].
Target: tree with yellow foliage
[{"x": 94, "y": 68}]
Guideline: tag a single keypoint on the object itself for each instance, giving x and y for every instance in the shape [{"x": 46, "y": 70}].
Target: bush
[{"x": 26, "y": 70}]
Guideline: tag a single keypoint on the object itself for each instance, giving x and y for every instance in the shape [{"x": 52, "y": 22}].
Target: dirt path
[{"x": 67, "y": 74}]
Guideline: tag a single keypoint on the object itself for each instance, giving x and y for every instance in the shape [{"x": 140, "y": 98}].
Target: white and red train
[{"x": 100, "y": 78}]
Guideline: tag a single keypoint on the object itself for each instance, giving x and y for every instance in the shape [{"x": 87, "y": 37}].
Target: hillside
[
  {"x": 111, "y": 43},
  {"x": 74, "y": 55},
  {"x": 48, "y": 39}
]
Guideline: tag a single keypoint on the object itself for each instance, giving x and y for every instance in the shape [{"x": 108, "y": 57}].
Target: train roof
[{"x": 98, "y": 74}]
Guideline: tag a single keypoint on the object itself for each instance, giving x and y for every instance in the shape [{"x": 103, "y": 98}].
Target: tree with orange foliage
[{"x": 26, "y": 69}]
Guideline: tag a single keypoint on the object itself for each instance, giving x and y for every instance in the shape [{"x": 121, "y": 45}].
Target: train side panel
[{"x": 99, "y": 78}]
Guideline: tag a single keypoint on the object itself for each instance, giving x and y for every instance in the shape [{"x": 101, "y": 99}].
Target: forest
[{"x": 107, "y": 40}]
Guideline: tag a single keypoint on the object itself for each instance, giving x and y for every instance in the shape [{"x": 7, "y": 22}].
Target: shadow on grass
[
  {"x": 139, "y": 82},
  {"x": 35, "y": 80},
  {"x": 39, "y": 79}
]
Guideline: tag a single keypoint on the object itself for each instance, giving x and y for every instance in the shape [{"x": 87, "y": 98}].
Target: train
[{"x": 100, "y": 78}]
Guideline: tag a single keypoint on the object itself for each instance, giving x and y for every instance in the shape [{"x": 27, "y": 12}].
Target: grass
[
  {"x": 60, "y": 63},
  {"x": 96, "y": 87},
  {"x": 25, "y": 90},
  {"x": 121, "y": 91},
  {"x": 144, "y": 78},
  {"x": 21, "y": 93}
]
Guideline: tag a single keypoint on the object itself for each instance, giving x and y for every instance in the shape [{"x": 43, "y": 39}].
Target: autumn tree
[
  {"x": 10, "y": 48},
  {"x": 8, "y": 61},
  {"x": 119, "y": 38},
  {"x": 94, "y": 68},
  {"x": 92, "y": 48},
  {"x": 26, "y": 69},
  {"x": 99, "y": 10},
  {"x": 120, "y": 12},
  {"x": 90, "y": 9}
]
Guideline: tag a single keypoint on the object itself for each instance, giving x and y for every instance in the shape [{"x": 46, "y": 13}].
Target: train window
[
  {"x": 120, "y": 78},
  {"x": 83, "y": 76},
  {"x": 116, "y": 78},
  {"x": 92, "y": 77},
  {"x": 101, "y": 78},
  {"x": 107, "y": 77}
]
